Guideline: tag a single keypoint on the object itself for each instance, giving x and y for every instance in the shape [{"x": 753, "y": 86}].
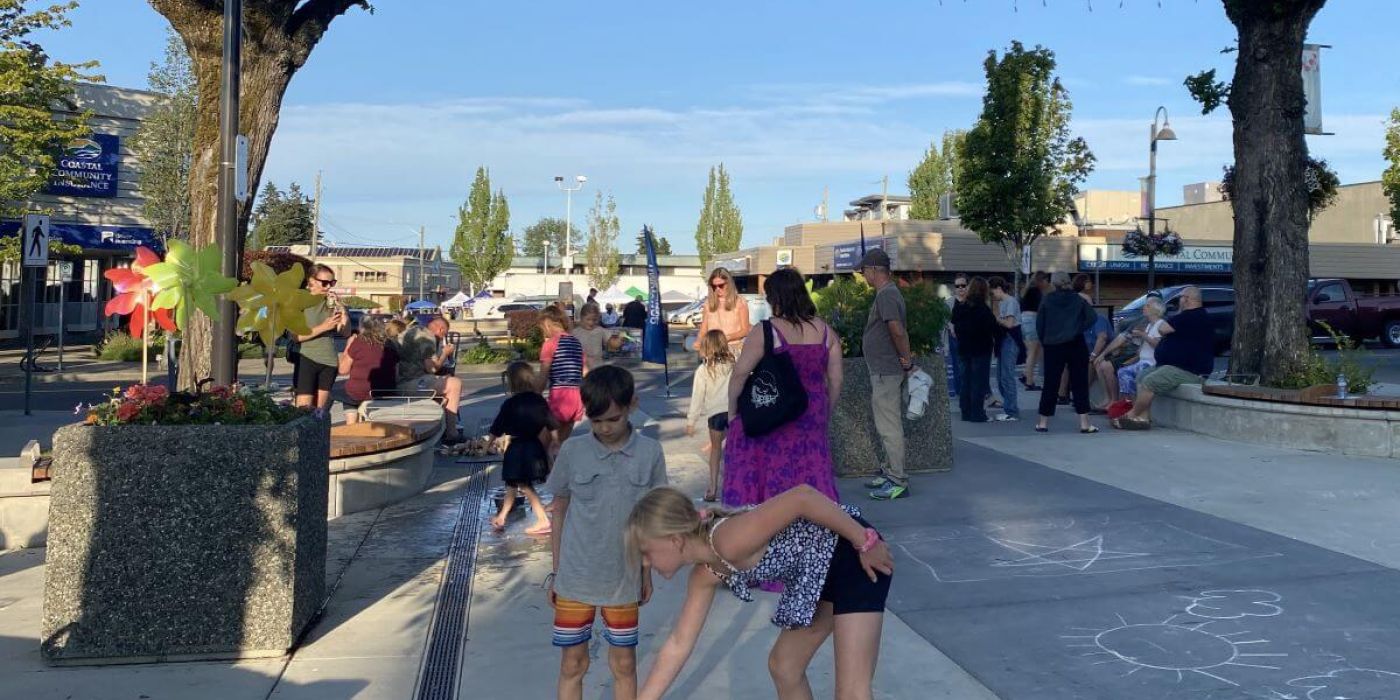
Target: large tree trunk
[
  {"x": 278, "y": 38},
  {"x": 1270, "y": 197}
]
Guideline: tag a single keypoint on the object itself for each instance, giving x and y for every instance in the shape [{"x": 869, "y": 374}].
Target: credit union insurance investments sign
[
  {"x": 1196, "y": 258},
  {"x": 87, "y": 167},
  {"x": 846, "y": 256}
]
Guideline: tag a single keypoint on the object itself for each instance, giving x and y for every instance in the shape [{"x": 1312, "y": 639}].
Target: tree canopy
[
  {"x": 934, "y": 176},
  {"x": 721, "y": 225},
  {"x": 550, "y": 229},
  {"x": 1019, "y": 168},
  {"x": 165, "y": 142},
  {"x": 663, "y": 246},
  {"x": 482, "y": 246},
  {"x": 600, "y": 253},
  {"x": 281, "y": 218},
  {"x": 1390, "y": 179}
]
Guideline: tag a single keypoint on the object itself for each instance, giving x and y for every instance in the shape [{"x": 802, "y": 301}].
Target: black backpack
[{"x": 773, "y": 394}]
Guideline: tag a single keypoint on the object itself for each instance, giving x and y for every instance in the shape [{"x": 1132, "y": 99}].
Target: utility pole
[
  {"x": 884, "y": 195},
  {"x": 420, "y": 263},
  {"x": 316, "y": 220},
  {"x": 223, "y": 346}
]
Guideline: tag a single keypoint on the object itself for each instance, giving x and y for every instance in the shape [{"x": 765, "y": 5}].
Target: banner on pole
[
  {"x": 654, "y": 335},
  {"x": 1312, "y": 88}
]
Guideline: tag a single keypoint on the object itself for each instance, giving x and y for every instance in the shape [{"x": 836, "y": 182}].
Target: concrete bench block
[{"x": 928, "y": 441}]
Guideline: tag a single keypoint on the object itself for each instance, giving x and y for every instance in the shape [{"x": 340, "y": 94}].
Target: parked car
[
  {"x": 1218, "y": 300},
  {"x": 1333, "y": 302},
  {"x": 500, "y": 310},
  {"x": 759, "y": 310},
  {"x": 690, "y": 314}
]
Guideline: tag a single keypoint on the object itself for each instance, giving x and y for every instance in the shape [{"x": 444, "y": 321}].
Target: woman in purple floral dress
[{"x": 756, "y": 469}]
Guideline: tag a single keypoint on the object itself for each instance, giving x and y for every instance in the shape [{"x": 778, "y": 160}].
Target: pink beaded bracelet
[{"x": 871, "y": 537}]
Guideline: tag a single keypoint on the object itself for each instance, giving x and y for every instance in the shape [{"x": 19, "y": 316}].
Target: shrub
[
  {"x": 483, "y": 354},
  {"x": 1353, "y": 362},
  {"x": 118, "y": 346},
  {"x": 521, "y": 324},
  {"x": 354, "y": 302},
  {"x": 845, "y": 305},
  {"x": 279, "y": 262}
]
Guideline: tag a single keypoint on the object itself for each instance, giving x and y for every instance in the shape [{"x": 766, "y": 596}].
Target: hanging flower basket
[{"x": 1140, "y": 244}]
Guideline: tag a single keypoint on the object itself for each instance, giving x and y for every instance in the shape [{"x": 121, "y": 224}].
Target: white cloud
[{"x": 1147, "y": 81}]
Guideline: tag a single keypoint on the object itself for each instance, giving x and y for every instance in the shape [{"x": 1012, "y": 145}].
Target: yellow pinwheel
[
  {"x": 274, "y": 303},
  {"x": 189, "y": 277}
]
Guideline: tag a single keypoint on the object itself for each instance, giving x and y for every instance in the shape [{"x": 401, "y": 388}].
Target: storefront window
[{"x": 9, "y": 299}]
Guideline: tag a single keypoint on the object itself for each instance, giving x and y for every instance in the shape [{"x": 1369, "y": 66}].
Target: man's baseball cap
[{"x": 875, "y": 258}]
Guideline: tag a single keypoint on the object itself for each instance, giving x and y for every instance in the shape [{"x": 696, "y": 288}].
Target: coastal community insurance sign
[
  {"x": 1201, "y": 259},
  {"x": 87, "y": 167}
]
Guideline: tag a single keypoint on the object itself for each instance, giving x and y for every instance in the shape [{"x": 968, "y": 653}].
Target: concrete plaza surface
[{"x": 1117, "y": 565}]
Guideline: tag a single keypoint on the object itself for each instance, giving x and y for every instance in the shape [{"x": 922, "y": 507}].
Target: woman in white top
[
  {"x": 709, "y": 399},
  {"x": 1122, "y": 383}
]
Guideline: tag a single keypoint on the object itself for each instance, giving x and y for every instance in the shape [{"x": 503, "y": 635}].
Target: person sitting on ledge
[{"x": 1185, "y": 355}]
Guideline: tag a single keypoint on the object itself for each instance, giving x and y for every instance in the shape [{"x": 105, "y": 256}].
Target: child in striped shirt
[{"x": 561, "y": 360}]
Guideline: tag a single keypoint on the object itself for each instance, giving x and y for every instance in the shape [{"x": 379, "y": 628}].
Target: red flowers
[
  {"x": 134, "y": 293},
  {"x": 128, "y": 412}
]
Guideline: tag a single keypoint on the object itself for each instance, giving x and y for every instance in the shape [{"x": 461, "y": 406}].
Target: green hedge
[
  {"x": 118, "y": 346},
  {"x": 845, "y": 305}
]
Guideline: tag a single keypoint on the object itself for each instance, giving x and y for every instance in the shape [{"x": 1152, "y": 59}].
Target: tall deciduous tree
[
  {"x": 600, "y": 252},
  {"x": 1019, "y": 167},
  {"x": 1390, "y": 179},
  {"x": 549, "y": 229},
  {"x": 1270, "y": 191},
  {"x": 663, "y": 246},
  {"x": 482, "y": 246},
  {"x": 280, "y": 35},
  {"x": 33, "y": 86},
  {"x": 165, "y": 143},
  {"x": 934, "y": 177},
  {"x": 281, "y": 218},
  {"x": 721, "y": 225}
]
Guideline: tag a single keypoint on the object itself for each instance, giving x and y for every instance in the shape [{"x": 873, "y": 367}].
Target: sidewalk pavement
[
  {"x": 90, "y": 369},
  {"x": 386, "y": 568}
]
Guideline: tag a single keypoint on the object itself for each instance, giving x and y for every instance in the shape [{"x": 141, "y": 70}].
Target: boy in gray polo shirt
[{"x": 596, "y": 480}]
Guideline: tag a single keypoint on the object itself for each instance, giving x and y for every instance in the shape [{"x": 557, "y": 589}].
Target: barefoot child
[
  {"x": 596, "y": 480},
  {"x": 709, "y": 399},
  {"x": 561, "y": 360},
  {"x": 835, "y": 568},
  {"x": 525, "y": 418}
]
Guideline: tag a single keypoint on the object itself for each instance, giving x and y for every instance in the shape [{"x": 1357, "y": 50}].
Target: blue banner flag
[{"x": 654, "y": 336}]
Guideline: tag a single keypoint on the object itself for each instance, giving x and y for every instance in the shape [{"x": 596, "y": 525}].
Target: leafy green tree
[
  {"x": 663, "y": 246},
  {"x": 281, "y": 218},
  {"x": 482, "y": 246},
  {"x": 549, "y": 229},
  {"x": 934, "y": 177},
  {"x": 281, "y": 36},
  {"x": 165, "y": 142},
  {"x": 1019, "y": 168},
  {"x": 33, "y": 87},
  {"x": 600, "y": 252},
  {"x": 721, "y": 225},
  {"x": 1271, "y": 192},
  {"x": 1390, "y": 179}
]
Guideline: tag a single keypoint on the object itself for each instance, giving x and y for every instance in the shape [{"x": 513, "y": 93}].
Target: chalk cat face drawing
[{"x": 765, "y": 390}]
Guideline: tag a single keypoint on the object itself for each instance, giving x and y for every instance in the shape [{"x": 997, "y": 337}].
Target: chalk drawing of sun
[
  {"x": 1172, "y": 647},
  {"x": 1348, "y": 684}
]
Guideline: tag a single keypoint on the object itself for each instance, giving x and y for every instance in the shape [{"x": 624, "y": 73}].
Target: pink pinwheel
[{"x": 134, "y": 293}]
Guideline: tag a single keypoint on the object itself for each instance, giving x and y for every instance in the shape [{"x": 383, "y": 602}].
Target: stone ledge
[{"x": 1363, "y": 432}]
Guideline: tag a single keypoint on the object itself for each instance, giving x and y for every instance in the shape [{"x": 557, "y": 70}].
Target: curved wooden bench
[{"x": 383, "y": 461}]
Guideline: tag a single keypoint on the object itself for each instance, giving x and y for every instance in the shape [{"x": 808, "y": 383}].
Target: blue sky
[{"x": 398, "y": 108}]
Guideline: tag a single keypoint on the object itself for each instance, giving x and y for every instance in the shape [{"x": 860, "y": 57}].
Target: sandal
[
  {"x": 1131, "y": 424},
  {"x": 710, "y": 497},
  {"x": 1089, "y": 430},
  {"x": 1040, "y": 429}
]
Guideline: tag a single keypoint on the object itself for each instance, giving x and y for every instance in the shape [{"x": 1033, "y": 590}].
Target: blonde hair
[
  {"x": 731, "y": 292},
  {"x": 521, "y": 377},
  {"x": 714, "y": 350},
  {"x": 554, "y": 314},
  {"x": 664, "y": 512}
]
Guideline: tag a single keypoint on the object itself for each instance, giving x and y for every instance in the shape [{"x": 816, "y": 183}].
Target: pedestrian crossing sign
[{"x": 35, "y": 240}]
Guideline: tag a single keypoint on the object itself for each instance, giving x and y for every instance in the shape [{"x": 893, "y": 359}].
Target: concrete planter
[
  {"x": 184, "y": 542},
  {"x": 856, "y": 449}
]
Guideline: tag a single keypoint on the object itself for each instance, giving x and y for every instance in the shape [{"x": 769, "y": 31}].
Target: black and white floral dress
[{"x": 800, "y": 556}]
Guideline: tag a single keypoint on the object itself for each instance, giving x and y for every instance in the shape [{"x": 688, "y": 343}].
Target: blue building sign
[
  {"x": 845, "y": 257},
  {"x": 118, "y": 238},
  {"x": 87, "y": 167},
  {"x": 1217, "y": 260}
]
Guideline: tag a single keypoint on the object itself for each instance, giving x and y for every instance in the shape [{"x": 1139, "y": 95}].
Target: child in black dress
[{"x": 526, "y": 419}]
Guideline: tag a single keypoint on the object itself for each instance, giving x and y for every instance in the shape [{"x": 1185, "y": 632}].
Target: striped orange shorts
[{"x": 573, "y": 623}]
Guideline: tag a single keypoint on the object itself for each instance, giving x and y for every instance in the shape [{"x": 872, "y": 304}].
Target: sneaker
[
  {"x": 877, "y": 483},
  {"x": 890, "y": 492},
  {"x": 1006, "y": 418}
]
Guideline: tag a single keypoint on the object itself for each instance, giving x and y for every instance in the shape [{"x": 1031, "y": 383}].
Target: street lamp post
[
  {"x": 569, "y": 209},
  {"x": 223, "y": 347},
  {"x": 546, "y": 268},
  {"x": 1164, "y": 133}
]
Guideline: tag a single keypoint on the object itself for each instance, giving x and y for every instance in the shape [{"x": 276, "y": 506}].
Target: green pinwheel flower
[{"x": 189, "y": 278}]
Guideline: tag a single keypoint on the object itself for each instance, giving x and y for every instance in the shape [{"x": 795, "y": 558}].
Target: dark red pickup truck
[{"x": 1333, "y": 302}]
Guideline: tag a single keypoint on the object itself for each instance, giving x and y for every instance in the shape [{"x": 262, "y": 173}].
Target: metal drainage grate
[{"x": 438, "y": 679}]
